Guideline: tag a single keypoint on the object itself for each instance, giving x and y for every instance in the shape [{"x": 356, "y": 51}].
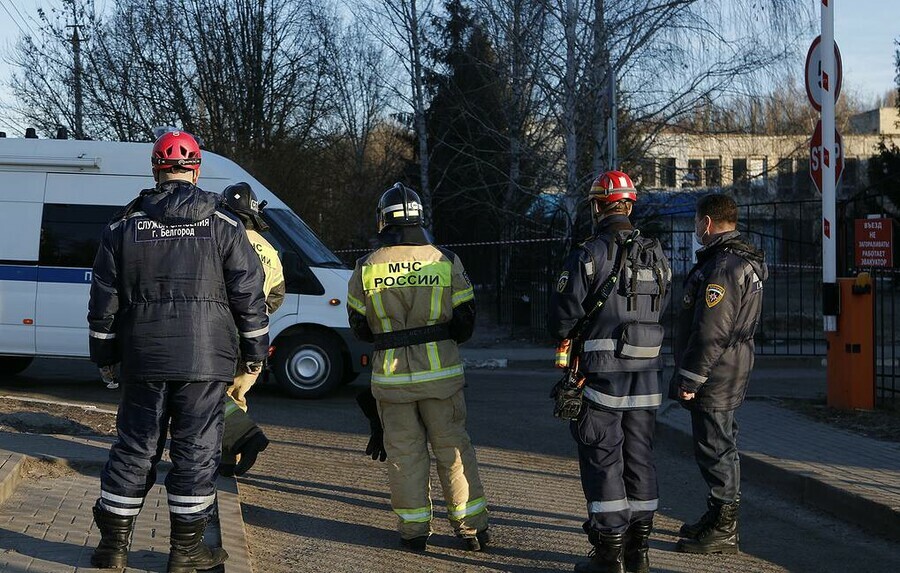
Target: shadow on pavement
[{"x": 377, "y": 538}]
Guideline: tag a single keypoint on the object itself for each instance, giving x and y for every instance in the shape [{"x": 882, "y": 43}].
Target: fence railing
[{"x": 513, "y": 279}]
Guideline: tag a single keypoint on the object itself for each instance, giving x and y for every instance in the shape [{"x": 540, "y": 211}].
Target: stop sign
[{"x": 816, "y": 159}]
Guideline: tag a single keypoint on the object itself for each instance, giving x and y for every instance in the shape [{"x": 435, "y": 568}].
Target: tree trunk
[
  {"x": 419, "y": 111},
  {"x": 600, "y": 78},
  {"x": 568, "y": 118}
]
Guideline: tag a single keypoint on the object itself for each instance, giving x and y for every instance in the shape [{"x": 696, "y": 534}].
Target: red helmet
[
  {"x": 175, "y": 149},
  {"x": 613, "y": 186}
]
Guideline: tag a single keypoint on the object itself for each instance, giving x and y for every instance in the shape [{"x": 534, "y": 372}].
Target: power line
[
  {"x": 3, "y": 4},
  {"x": 11, "y": 17},
  {"x": 24, "y": 20}
]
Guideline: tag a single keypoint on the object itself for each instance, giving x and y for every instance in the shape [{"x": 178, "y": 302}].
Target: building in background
[{"x": 772, "y": 166}]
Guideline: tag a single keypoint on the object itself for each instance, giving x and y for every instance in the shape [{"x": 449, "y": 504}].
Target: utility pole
[
  {"x": 612, "y": 127},
  {"x": 76, "y": 76}
]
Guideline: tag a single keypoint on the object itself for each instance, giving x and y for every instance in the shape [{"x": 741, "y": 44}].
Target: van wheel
[
  {"x": 309, "y": 365},
  {"x": 14, "y": 364}
]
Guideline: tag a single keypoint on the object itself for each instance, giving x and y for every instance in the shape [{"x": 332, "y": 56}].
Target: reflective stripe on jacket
[{"x": 410, "y": 286}]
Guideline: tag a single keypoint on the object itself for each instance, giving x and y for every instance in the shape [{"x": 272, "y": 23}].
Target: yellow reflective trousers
[{"x": 408, "y": 429}]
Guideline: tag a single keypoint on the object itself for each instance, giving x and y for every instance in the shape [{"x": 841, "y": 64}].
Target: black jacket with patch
[
  {"x": 176, "y": 290},
  {"x": 719, "y": 316}
]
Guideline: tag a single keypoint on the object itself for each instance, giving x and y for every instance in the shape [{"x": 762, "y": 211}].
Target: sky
[{"x": 865, "y": 31}]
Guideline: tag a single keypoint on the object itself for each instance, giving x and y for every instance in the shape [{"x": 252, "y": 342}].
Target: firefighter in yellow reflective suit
[
  {"x": 414, "y": 301},
  {"x": 242, "y": 439}
]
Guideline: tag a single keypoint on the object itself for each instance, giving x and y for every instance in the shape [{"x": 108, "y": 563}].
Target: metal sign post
[{"x": 829, "y": 82}]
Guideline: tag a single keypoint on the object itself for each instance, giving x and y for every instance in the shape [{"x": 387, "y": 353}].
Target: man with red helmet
[
  {"x": 609, "y": 298},
  {"x": 175, "y": 286}
]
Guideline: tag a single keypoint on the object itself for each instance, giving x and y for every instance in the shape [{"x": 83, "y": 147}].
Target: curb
[
  {"x": 877, "y": 518},
  {"x": 230, "y": 528},
  {"x": 10, "y": 474}
]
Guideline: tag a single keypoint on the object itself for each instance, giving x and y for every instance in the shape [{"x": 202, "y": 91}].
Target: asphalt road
[{"x": 315, "y": 503}]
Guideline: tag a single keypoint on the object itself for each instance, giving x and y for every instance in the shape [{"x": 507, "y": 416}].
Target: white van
[{"x": 55, "y": 198}]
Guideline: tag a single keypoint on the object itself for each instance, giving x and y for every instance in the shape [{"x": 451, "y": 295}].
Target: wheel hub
[{"x": 308, "y": 367}]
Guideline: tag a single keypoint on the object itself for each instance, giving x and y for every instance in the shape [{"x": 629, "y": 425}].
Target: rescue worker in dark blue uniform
[
  {"x": 177, "y": 292},
  {"x": 714, "y": 352},
  {"x": 620, "y": 357}
]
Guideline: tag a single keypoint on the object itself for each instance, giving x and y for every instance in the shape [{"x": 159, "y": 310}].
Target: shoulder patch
[
  {"x": 562, "y": 282},
  {"x": 714, "y": 294}
]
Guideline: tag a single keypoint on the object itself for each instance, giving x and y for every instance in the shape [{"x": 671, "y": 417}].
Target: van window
[
  {"x": 70, "y": 234},
  {"x": 315, "y": 251}
]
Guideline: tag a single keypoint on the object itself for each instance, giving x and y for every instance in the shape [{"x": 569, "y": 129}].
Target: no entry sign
[{"x": 874, "y": 240}]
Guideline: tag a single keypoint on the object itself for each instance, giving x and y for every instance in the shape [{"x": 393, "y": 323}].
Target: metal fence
[{"x": 513, "y": 279}]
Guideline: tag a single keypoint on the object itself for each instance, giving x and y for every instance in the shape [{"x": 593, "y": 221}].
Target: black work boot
[
  {"x": 115, "y": 536},
  {"x": 692, "y": 530},
  {"x": 637, "y": 547},
  {"x": 478, "y": 542},
  {"x": 719, "y": 536},
  {"x": 417, "y": 544},
  {"x": 607, "y": 555},
  {"x": 188, "y": 553}
]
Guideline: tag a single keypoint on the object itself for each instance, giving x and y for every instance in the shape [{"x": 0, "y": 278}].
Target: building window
[
  {"x": 805, "y": 183},
  {"x": 739, "y": 173},
  {"x": 669, "y": 172},
  {"x": 713, "y": 169},
  {"x": 785, "y": 174},
  {"x": 648, "y": 173},
  {"x": 850, "y": 177},
  {"x": 694, "y": 175}
]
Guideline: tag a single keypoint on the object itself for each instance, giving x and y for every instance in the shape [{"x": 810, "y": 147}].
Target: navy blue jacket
[
  {"x": 714, "y": 348},
  {"x": 621, "y": 344},
  {"x": 176, "y": 290}
]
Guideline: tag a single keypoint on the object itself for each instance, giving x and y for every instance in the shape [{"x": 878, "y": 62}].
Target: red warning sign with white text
[{"x": 874, "y": 243}]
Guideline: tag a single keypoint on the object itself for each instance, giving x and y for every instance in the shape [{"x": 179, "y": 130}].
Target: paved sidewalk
[
  {"x": 851, "y": 476},
  {"x": 848, "y": 475},
  {"x": 45, "y": 513}
]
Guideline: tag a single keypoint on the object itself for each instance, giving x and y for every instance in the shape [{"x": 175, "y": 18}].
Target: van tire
[
  {"x": 309, "y": 365},
  {"x": 14, "y": 364}
]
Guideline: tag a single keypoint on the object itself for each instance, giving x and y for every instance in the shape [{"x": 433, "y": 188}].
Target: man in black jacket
[
  {"x": 618, "y": 348},
  {"x": 175, "y": 286},
  {"x": 714, "y": 356}
]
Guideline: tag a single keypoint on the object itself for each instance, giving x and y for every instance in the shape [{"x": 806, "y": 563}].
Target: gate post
[{"x": 851, "y": 348}]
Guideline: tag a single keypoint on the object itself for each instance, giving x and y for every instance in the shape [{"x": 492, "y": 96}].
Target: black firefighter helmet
[
  {"x": 241, "y": 199},
  {"x": 399, "y": 205}
]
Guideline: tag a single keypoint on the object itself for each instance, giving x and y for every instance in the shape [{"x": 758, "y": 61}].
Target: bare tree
[
  {"x": 403, "y": 26},
  {"x": 667, "y": 57},
  {"x": 517, "y": 29},
  {"x": 243, "y": 73}
]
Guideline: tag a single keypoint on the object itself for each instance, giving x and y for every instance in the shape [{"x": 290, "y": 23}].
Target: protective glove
[
  {"x": 375, "y": 447},
  {"x": 239, "y": 388},
  {"x": 369, "y": 407},
  {"x": 567, "y": 395},
  {"x": 110, "y": 375}
]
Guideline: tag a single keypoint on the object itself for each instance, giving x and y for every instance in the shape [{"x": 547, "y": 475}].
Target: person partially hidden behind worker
[
  {"x": 414, "y": 301},
  {"x": 243, "y": 439}
]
